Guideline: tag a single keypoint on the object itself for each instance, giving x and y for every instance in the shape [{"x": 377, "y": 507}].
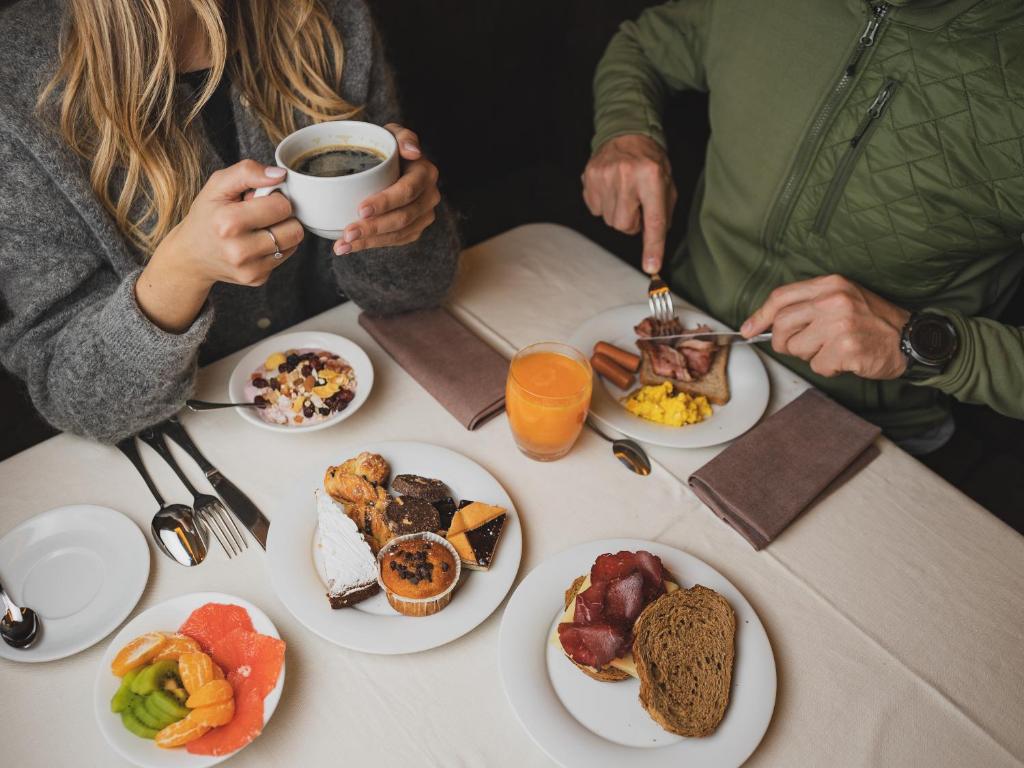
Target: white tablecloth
[{"x": 895, "y": 607}]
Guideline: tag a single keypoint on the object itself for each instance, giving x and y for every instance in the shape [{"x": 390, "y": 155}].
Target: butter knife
[
  {"x": 721, "y": 338},
  {"x": 241, "y": 506}
]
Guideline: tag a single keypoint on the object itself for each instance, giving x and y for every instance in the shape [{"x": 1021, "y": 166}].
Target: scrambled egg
[{"x": 657, "y": 403}]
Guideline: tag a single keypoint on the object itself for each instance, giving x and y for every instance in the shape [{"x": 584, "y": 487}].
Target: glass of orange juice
[{"x": 547, "y": 397}]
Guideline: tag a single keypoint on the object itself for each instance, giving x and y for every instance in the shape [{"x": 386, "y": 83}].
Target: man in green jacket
[{"x": 862, "y": 195}]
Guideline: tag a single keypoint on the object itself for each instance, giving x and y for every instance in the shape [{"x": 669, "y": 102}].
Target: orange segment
[
  {"x": 177, "y": 645},
  {"x": 139, "y": 651},
  {"x": 195, "y": 670},
  {"x": 218, "y": 673},
  {"x": 245, "y": 726},
  {"x": 180, "y": 733},
  {"x": 214, "y": 692},
  {"x": 214, "y": 715}
]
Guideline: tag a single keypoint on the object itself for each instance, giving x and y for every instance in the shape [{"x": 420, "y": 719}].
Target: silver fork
[
  {"x": 659, "y": 299},
  {"x": 209, "y": 509}
]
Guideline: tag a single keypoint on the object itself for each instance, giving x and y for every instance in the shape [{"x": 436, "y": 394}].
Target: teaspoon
[
  {"x": 19, "y": 627},
  {"x": 202, "y": 405},
  {"x": 174, "y": 526},
  {"x": 628, "y": 452}
]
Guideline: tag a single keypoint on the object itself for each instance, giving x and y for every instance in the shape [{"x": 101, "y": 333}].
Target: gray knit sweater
[{"x": 71, "y": 328}]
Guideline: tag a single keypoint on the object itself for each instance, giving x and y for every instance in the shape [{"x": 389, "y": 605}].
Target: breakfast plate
[
  {"x": 253, "y": 363},
  {"x": 167, "y": 617},
  {"x": 81, "y": 568},
  {"x": 579, "y": 721},
  {"x": 748, "y": 384},
  {"x": 373, "y": 626}
]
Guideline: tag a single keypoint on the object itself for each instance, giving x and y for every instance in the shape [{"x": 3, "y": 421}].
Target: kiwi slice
[
  {"x": 141, "y": 713},
  {"x": 124, "y": 696},
  {"x": 175, "y": 688},
  {"x": 162, "y": 702},
  {"x": 134, "y": 725},
  {"x": 155, "y": 711},
  {"x": 152, "y": 678}
]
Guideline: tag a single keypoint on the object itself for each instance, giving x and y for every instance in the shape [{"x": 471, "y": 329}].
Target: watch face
[{"x": 933, "y": 339}]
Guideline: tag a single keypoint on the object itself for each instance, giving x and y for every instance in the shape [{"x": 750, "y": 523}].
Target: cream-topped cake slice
[{"x": 349, "y": 565}]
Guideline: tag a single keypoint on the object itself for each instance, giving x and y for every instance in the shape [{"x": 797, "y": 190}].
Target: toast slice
[
  {"x": 714, "y": 385},
  {"x": 684, "y": 651},
  {"x": 607, "y": 673}
]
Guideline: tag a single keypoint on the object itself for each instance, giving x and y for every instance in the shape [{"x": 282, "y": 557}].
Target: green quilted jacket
[{"x": 883, "y": 142}]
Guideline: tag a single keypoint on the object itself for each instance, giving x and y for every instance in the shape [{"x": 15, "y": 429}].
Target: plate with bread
[
  {"x": 660, "y": 384},
  {"x": 394, "y": 547},
  {"x": 629, "y": 652}
]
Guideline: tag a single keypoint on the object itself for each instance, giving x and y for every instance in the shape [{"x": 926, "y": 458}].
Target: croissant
[
  {"x": 370, "y": 466},
  {"x": 346, "y": 487}
]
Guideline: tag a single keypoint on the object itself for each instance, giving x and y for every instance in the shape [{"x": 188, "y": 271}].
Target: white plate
[
  {"x": 748, "y": 384},
  {"x": 167, "y": 617},
  {"x": 81, "y": 568},
  {"x": 582, "y": 722},
  {"x": 350, "y": 352},
  {"x": 373, "y": 626}
]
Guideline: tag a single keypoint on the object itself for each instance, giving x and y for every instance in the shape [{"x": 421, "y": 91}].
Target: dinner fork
[
  {"x": 659, "y": 299},
  {"x": 209, "y": 509}
]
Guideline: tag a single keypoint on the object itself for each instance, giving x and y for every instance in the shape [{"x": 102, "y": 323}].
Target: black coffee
[{"x": 337, "y": 161}]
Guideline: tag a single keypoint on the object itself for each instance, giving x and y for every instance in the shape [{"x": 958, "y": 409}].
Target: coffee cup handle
[{"x": 264, "y": 191}]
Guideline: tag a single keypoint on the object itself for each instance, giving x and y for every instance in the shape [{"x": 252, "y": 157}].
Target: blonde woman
[{"x": 132, "y": 134}]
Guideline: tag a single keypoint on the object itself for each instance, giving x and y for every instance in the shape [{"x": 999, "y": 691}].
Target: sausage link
[
  {"x": 624, "y": 359},
  {"x": 612, "y": 371}
]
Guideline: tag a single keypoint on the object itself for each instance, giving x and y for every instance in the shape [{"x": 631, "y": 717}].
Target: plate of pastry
[
  {"x": 664, "y": 390},
  {"x": 394, "y": 547},
  {"x": 628, "y": 652}
]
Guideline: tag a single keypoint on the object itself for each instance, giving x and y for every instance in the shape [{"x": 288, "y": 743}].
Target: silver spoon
[
  {"x": 202, "y": 405},
  {"x": 174, "y": 526},
  {"x": 19, "y": 627},
  {"x": 627, "y": 451}
]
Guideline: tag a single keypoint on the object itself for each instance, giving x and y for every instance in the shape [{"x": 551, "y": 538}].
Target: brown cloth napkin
[
  {"x": 461, "y": 372},
  {"x": 764, "y": 480}
]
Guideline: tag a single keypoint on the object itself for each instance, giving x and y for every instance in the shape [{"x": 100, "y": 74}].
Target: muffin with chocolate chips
[{"x": 418, "y": 573}]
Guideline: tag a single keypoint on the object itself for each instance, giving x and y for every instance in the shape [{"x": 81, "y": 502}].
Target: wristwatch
[{"x": 929, "y": 342}]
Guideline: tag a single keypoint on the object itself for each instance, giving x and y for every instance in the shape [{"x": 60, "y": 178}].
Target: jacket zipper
[
  {"x": 805, "y": 155},
  {"x": 853, "y": 152}
]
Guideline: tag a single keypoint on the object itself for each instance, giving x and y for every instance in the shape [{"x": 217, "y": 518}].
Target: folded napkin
[
  {"x": 765, "y": 479},
  {"x": 461, "y": 372}
]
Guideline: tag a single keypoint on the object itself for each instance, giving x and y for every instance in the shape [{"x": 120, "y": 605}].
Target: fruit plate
[
  {"x": 373, "y": 626},
  {"x": 582, "y": 722},
  {"x": 349, "y": 351},
  {"x": 167, "y": 617},
  {"x": 748, "y": 384},
  {"x": 81, "y": 568}
]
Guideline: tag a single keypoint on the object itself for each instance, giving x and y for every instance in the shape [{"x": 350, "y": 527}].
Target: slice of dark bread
[
  {"x": 714, "y": 384},
  {"x": 607, "y": 673},
  {"x": 684, "y": 651}
]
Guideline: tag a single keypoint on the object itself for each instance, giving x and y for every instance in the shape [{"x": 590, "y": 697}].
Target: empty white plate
[
  {"x": 373, "y": 626},
  {"x": 748, "y": 384},
  {"x": 167, "y": 617},
  {"x": 582, "y": 722},
  {"x": 349, "y": 351},
  {"x": 81, "y": 568}
]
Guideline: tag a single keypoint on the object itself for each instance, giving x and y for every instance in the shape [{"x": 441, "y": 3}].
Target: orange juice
[{"x": 547, "y": 398}]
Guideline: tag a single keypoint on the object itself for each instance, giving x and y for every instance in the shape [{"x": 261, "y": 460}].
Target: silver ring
[{"x": 277, "y": 247}]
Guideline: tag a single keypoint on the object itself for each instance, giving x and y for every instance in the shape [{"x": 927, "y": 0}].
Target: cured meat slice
[
  {"x": 624, "y": 599},
  {"x": 590, "y": 604},
  {"x": 593, "y": 644},
  {"x": 666, "y": 360}
]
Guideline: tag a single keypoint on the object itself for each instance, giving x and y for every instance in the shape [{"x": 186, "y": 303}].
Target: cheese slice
[{"x": 624, "y": 664}]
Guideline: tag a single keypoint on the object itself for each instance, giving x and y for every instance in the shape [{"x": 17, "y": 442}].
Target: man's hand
[
  {"x": 836, "y": 325},
  {"x": 628, "y": 182}
]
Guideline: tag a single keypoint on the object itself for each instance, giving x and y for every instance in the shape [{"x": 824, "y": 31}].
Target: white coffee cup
[{"x": 325, "y": 205}]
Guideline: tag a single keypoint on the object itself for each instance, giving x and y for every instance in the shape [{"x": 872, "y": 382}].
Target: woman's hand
[
  {"x": 223, "y": 238},
  {"x": 629, "y": 183},
  {"x": 836, "y": 325},
  {"x": 399, "y": 214}
]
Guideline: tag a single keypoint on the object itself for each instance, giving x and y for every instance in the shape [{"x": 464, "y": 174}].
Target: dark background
[{"x": 500, "y": 95}]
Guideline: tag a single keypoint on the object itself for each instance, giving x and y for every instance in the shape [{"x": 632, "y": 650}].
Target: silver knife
[
  {"x": 719, "y": 337},
  {"x": 241, "y": 506}
]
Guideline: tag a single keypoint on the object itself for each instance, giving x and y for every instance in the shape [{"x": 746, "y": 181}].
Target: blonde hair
[{"x": 118, "y": 108}]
